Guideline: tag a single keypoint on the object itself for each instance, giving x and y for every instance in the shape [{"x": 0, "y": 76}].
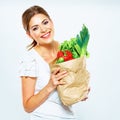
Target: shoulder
[
  {"x": 28, "y": 64},
  {"x": 28, "y": 55}
]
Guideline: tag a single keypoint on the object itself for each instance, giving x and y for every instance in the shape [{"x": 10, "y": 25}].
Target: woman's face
[{"x": 41, "y": 29}]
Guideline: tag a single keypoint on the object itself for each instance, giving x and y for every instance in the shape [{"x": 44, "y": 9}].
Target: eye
[
  {"x": 35, "y": 28},
  {"x": 45, "y": 22}
]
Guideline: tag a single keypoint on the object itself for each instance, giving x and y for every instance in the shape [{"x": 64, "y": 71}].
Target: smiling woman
[
  {"x": 40, "y": 97},
  {"x": 41, "y": 29},
  {"x": 37, "y": 25}
]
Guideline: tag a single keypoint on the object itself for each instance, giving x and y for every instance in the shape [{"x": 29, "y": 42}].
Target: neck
[{"x": 48, "y": 49}]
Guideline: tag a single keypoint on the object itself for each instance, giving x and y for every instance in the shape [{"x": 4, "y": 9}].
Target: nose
[{"x": 42, "y": 29}]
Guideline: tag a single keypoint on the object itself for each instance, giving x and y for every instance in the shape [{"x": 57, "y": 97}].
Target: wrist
[{"x": 49, "y": 88}]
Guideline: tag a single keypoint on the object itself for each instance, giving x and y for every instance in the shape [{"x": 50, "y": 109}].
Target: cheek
[
  {"x": 35, "y": 35},
  {"x": 51, "y": 26}
]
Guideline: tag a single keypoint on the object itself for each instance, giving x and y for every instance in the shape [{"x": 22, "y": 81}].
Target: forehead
[{"x": 37, "y": 19}]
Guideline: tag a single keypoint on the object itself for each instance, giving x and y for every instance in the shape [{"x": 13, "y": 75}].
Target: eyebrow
[
  {"x": 41, "y": 22},
  {"x": 34, "y": 26},
  {"x": 44, "y": 20}
]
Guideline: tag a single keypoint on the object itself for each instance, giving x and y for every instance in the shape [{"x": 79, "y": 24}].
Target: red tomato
[
  {"x": 69, "y": 53},
  {"x": 66, "y": 58},
  {"x": 60, "y": 54}
]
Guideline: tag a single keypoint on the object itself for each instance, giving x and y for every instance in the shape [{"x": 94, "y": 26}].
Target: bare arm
[{"x": 31, "y": 101}]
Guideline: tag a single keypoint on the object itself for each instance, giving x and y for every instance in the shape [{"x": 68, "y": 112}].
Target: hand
[
  {"x": 56, "y": 77},
  {"x": 84, "y": 99}
]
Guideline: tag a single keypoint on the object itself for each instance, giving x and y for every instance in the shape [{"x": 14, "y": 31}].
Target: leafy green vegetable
[
  {"x": 77, "y": 45},
  {"x": 83, "y": 39}
]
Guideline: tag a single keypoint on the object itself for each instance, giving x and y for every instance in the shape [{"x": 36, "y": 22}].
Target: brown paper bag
[{"x": 77, "y": 81}]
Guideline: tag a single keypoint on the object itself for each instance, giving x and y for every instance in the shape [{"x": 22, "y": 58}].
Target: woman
[{"x": 40, "y": 97}]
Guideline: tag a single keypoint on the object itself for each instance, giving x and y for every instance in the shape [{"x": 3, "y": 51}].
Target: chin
[{"x": 49, "y": 41}]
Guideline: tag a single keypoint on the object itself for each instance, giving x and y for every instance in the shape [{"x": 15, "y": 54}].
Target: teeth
[{"x": 45, "y": 35}]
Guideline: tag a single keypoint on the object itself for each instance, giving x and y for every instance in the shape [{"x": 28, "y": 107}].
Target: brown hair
[{"x": 26, "y": 17}]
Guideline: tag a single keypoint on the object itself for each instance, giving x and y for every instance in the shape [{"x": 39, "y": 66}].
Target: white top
[{"x": 33, "y": 65}]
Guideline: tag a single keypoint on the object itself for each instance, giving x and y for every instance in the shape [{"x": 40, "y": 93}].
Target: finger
[
  {"x": 84, "y": 99},
  {"x": 62, "y": 74},
  {"x": 56, "y": 71},
  {"x": 89, "y": 89},
  {"x": 61, "y": 82}
]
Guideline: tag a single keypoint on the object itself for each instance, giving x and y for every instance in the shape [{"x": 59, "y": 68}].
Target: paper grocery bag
[{"x": 77, "y": 81}]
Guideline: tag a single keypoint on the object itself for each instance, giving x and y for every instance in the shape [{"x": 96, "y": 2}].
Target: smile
[{"x": 46, "y": 35}]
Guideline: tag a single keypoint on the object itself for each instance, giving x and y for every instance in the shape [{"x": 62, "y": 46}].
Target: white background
[{"x": 103, "y": 21}]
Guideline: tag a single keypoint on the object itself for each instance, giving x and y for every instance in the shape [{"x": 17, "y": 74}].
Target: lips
[{"x": 46, "y": 35}]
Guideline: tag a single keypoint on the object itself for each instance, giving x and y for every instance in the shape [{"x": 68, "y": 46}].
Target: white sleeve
[{"x": 28, "y": 67}]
